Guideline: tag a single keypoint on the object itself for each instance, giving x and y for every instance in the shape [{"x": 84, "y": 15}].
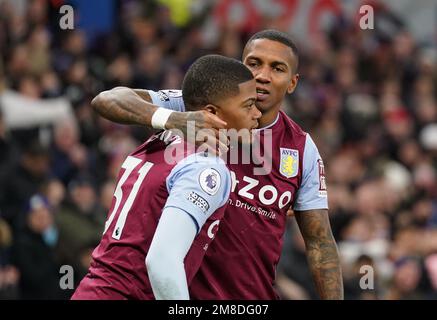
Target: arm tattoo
[
  {"x": 321, "y": 252},
  {"x": 134, "y": 106},
  {"x": 177, "y": 120},
  {"x": 125, "y": 105}
]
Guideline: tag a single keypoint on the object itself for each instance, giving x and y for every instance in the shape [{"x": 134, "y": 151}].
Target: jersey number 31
[{"x": 129, "y": 165}]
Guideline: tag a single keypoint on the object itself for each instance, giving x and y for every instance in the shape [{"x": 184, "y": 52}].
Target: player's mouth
[{"x": 261, "y": 94}]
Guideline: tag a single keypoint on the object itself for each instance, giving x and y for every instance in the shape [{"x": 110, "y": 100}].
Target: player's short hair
[
  {"x": 275, "y": 35},
  {"x": 210, "y": 78}
]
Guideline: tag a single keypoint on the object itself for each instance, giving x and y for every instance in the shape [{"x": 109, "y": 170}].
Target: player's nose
[
  {"x": 263, "y": 75},
  {"x": 256, "y": 113}
]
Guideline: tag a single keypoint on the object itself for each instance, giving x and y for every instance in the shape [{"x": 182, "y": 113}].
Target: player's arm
[
  {"x": 165, "y": 260},
  {"x": 191, "y": 201},
  {"x": 137, "y": 106},
  {"x": 311, "y": 212},
  {"x": 322, "y": 253}
]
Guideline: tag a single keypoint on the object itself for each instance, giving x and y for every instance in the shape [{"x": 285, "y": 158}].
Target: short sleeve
[
  {"x": 168, "y": 99},
  {"x": 312, "y": 193},
  {"x": 199, "y": 185}
]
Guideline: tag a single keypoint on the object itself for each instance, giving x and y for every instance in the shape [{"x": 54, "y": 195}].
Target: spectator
[
  {"x": 69, "y": 156},
  {"x": 9, "y": 274},
  {"x": 22, "y": 181},
  {"x": 80, "y": 221},
  {"x": 409, "y": 281},
  {"x": 34, "y": 253}
]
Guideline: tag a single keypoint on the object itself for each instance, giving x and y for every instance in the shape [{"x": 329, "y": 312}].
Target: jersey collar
[{"x": 270, "y": 125}]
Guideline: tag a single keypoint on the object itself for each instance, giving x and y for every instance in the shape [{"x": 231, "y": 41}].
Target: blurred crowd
[{"x": 367, "y": 98}]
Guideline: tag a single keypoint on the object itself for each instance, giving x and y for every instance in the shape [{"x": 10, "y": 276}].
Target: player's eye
[{"x": 277, "y": 69}]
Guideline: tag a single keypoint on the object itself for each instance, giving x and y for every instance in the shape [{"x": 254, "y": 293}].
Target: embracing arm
[
  {"x": 125, "y": 105},
  {"x": 134, "y": 106},
  {"x": 322, "y": 253}
]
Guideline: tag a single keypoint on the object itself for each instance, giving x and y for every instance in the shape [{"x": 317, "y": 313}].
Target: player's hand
[
  {"x": 202, "y": 126},
  {"x": 290, "y": 213}
]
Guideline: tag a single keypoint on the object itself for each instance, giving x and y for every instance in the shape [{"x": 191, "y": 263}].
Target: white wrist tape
[{"x": 160, "y": 117}]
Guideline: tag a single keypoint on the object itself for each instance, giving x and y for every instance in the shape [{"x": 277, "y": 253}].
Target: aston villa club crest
[{"x": 289, "y": 165}]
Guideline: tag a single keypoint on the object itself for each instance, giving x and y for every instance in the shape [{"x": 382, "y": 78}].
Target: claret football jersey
[
  {"x": 163, "y": 172},
  {"x": 241, "y": 262}
]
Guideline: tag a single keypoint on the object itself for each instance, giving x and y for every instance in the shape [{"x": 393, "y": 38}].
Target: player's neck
[{"x": 269, "y": 117}]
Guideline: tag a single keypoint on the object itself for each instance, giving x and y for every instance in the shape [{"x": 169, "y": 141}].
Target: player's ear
[
  {"x": 293, "y": 83},
  {"x": 211, "y": 108}
]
